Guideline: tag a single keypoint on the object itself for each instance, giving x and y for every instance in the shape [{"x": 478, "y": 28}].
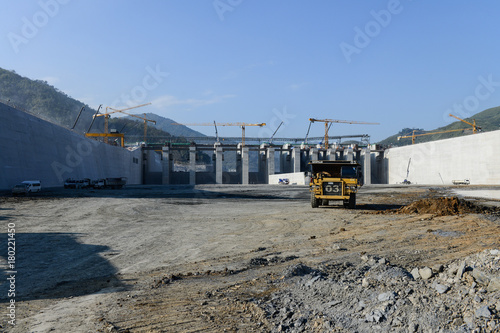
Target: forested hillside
[
  {"x": 41, "y": 99},
  {"x": 487, "y": 120},
  {"x": 47, "y": 102}
]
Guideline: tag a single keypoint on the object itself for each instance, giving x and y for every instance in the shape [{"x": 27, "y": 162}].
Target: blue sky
[{"x": 404, "y": 63}]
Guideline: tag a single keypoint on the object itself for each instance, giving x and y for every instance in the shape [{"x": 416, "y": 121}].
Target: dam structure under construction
[{"x": 35, "y": 149}]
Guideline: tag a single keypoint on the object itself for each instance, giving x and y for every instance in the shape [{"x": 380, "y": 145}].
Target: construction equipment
[
  {"x": 93, "y": 118},
  {"x": 242, "y": 125},
  {"x": 216, "y": 132},
  {"x": 475, "y": 128},
  {"x": 334, "y": 180},
  {"x": 406, "y": 181},
  {"x": 272, "y": 136},
  {"x": 107, "y": 116},
  {"x": 143, "y": 118},
  {"x": 328, "y": 123},
  {"x": 108, "y": 135},
  {"x": 307, "y": 134},
  {"x": 423, "y": 134},
  {"x": 78, "y": 117}
]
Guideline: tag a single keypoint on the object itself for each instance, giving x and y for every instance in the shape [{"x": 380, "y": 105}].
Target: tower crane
[
  {"x": 242, "y": 125},
  {"x": 143, "y": 118},
  {"x": 431, "y": 133},
  {"x": 107, "y": 114},
  {"x": 328, "y": 123},
  {"x": 475, "y": 128}
]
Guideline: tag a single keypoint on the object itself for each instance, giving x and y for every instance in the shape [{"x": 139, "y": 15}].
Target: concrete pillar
[
  {"x": 367, "y": 170},
  {"x": 262, "y": 163},
  {"x": 285, "y": 159},
  {"x": 192, "y": 165},
  {"x": 349, "y": 154},
  {"x": 244, "y": 166},
  {"x": 331, "y": 154},
  {"x": 270, "y": 162},
  {"x": 219, "y": 153},
  {"x": 314, "y": 154},
  {"x": 296, "y": 159},
  {"x": 165, "y": 163}
]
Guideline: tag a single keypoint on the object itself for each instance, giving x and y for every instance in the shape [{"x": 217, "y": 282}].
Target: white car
[{"x": 28, "y": 186}]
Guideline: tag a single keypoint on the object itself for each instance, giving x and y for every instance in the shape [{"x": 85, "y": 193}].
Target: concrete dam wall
[
  {"x": 34, "y": 149},
  {"x": 475, "y": 157}
]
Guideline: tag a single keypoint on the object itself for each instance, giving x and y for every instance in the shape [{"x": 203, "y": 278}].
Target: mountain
[
  {"x": 488, "y": 120},
  {"x": 43, "y": 100},
  {"x": 47, "y": 102}
]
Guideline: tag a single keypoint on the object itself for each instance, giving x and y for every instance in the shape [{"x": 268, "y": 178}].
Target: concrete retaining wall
[
  {"x": 34, "y": 149},
  {"x": 475, "y": 156}
]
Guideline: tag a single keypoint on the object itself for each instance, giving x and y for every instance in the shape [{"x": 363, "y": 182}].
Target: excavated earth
[{"x": 253, "y": 258}]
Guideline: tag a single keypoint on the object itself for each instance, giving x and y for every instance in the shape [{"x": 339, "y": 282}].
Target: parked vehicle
[
  {"x": 70, "y": 183},
  {"x": 26, "y": 187},
  {"x": 116, "y": 182},
  {"x": 77, "y": 183},
  {"x": 20, "y": 189},
  {"x": 113, "y": 183},
  {"x": 461, "y": 182},
  {"x": 99, "y": 183},
  {"x": 85, "y": 182},
  {"x": 33, "y": 185}
]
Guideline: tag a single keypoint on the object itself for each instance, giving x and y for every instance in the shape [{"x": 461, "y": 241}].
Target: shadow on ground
[
  {"x": 54, "y": 265},
  {"x": 263, "y": 192}
]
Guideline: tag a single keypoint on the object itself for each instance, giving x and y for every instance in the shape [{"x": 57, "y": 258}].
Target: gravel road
[{"x": 208, "y": 258}]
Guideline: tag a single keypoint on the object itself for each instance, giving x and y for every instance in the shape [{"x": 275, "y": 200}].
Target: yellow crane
[
  {"x": 475, "y": 128},
  {"x": 143, "y": 118},
  {"x": 107, "y": 114},
  {"x": 108, "y": 135},
  {"x": 242, "y": 125},
  {"x": 329, "y": 122},
  {"x": 431, "y": 133}
]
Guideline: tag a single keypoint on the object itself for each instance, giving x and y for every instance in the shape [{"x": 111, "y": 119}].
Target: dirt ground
[{"x": 203, "y": 259}]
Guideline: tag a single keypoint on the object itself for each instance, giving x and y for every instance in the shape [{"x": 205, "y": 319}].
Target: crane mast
[
  {"x": 107, "y": 114},
  {"x": 328, "y": 123}
]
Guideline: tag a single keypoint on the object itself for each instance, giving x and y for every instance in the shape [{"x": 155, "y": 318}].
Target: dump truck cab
[{"x": 334, "y": 180}]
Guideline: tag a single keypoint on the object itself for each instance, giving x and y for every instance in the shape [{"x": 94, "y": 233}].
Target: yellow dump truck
[{"x": 334, "y": 180}]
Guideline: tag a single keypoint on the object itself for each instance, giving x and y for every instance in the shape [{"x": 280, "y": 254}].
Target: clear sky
[{"x": 404, "y": 63}]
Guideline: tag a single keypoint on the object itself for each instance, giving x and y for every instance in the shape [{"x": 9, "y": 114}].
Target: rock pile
[
  {"x": 370, "y": 295},
  {"x": 445, "y": 206}
]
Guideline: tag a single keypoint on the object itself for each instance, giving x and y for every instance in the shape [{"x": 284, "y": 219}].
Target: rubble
[
  {"x": 442, "y": 206},
  {"x": 369, "y": 294},
  {"x": 445, "y": 206}
]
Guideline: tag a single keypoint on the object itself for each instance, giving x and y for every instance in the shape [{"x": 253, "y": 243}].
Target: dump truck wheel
[
  {"x": 314, "y": 201},
  {"x": 352, "y": 201}
]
